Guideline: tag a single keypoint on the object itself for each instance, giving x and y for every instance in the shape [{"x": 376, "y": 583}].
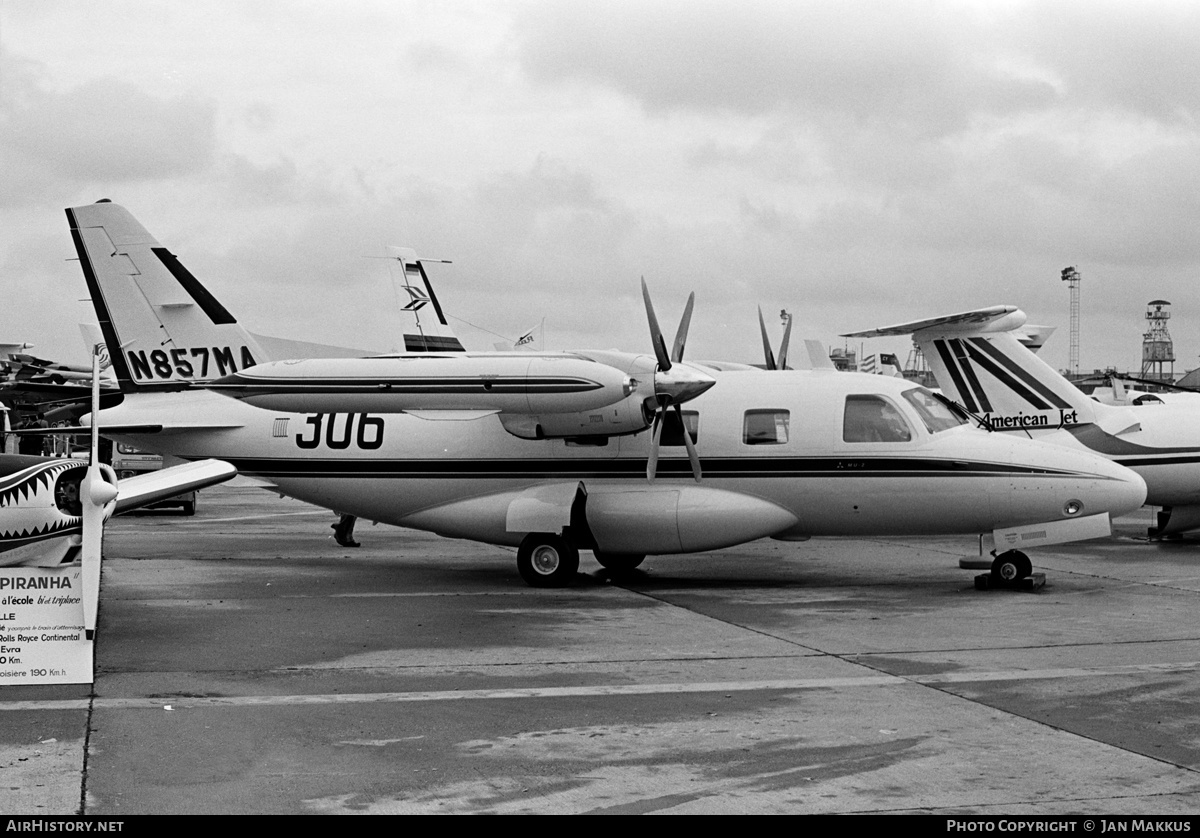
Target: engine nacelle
[{"x": 625, "y": 417}]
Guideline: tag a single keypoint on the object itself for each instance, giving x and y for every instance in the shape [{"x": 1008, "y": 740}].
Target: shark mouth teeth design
[
  {"x": 68, "y": 525},
  {"x": 34, "y": 485}
]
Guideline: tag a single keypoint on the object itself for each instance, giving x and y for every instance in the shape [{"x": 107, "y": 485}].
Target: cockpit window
[
  {"x": 934, "y": 412},
  {"x": 873, "y": 419}
]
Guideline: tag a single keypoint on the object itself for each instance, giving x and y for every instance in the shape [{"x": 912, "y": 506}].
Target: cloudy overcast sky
[{"x": 858, "y": 163}]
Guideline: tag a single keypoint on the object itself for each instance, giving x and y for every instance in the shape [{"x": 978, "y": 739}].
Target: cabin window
[
  {"x": 873, "y": 419},
  {"x": 765, "y": 427},
  {"x": 672, "y": 432}
]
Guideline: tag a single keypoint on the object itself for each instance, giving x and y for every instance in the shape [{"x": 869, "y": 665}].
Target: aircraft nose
[
  {"x": 1113, "y": 487},
  {"x": 1128, "y": 491}
]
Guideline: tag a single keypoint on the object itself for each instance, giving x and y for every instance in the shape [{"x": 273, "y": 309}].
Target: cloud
[
  {"x": 103, "y": 130},
  {"x": 921, "y": 64}
]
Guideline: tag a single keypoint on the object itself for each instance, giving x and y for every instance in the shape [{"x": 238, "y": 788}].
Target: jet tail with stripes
[
  {"x": 432, "y": 333},
  {"x": 980, "y": 362}
]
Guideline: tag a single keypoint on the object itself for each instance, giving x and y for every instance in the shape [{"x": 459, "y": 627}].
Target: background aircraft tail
[
  {"x": 431, "y": 333},
  {"x": 980, "y": 362}
]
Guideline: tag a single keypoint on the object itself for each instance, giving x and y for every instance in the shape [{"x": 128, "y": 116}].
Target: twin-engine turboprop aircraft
[
  {"x": 980, "y": 362},
  {"x": 558, "y": 452}
]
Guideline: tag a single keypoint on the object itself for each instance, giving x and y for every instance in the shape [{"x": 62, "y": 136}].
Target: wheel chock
[{"x": 1032, "y": 582}]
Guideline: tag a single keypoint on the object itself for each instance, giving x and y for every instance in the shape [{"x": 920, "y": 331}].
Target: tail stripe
[
  {"x": 962, "y": 352},
  {"x": 952, "y": 368},
  {"x": 1007, "y": 380},
  {"x": 1054, "y": 399},
  {"x": 216, "y": 312},
  {"x": 432, "y": 296}
]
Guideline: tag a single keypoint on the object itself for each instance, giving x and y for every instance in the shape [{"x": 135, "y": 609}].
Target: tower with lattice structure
[
  {"x": 1072, "y": 278},
  {"x": 1157, "y": 349}
]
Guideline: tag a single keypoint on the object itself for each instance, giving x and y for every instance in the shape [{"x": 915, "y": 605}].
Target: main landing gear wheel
[
  {"x": 545, "y": 560},
  {"x": 618, "y": 562},
  {"x": 1011, "y": 566}
]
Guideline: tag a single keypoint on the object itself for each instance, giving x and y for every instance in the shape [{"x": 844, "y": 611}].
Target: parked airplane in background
[
  {"x": 52, "y": 511},
  {"x": 980, "y": 363},
  {"x": 534, "y": 463}
]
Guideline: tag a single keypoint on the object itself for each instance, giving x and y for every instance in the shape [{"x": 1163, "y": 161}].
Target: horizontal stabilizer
[
  {"x": 992, "y": 319},
  {"x": 151, "y": 487}
]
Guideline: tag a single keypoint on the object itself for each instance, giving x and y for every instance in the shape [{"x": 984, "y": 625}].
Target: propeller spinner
[{"x": 674, "y": 382}]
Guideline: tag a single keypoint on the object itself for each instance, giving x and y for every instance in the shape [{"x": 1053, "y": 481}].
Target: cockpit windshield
[{"x": 936, "y": 415}]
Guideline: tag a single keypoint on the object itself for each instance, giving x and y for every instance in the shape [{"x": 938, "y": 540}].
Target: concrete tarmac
[{"x": 245, "y": 663}]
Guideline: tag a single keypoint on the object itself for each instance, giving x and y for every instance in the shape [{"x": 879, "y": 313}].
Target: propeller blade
[
  {"x": 767, "y": 353},
  {"x": 97, "y": 494},
  {"x": 783, "y": 347},
  {"x": 652, "y": 460},
  {"x": 685, "y": 323},
  {"x": 656, "y": 336},
  {"x": 693, "y": 455}
]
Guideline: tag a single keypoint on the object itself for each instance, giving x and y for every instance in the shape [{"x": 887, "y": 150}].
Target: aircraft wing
[
  {"x": 991, "y": 319},
  {"x": 145, "y": 489}
]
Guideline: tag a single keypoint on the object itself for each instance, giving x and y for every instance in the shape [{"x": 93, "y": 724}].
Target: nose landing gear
[{"x": 1011, "y": 569}]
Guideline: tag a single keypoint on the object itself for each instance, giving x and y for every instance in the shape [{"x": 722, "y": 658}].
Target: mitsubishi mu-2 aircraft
[{"x": 619, "y": 453}]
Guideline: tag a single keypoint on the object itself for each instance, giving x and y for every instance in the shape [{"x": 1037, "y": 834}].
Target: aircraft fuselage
[{"x": 461, "y": 478}]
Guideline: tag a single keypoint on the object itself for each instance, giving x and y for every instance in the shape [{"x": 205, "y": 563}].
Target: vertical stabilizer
[
  {"x": 996, "y": 376},
  {"x": 431, "y": 332},
  {"x": 163, "y": 328},
  {"x": 980, "y": 362}
]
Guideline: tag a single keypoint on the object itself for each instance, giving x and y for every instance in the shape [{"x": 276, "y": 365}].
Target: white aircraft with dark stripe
[
  {"x": 979, "y": 362},
  {"x": 691, "y": 458}
]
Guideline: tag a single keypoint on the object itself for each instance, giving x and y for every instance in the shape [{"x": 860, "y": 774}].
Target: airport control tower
[{"x": 1157, "y": 348}]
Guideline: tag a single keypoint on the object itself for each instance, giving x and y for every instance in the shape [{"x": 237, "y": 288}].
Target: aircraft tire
[
  {"x": 189, "y": 507},
  {"x": 1011, "y": 566},
  {"x": 618, "y": 562},
  {"x": 545, "y": 560}
]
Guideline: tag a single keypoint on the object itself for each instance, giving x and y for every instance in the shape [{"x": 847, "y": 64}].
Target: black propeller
[
  {"x": 674, "y": 382},
  {"x": 783, "y": 347}
]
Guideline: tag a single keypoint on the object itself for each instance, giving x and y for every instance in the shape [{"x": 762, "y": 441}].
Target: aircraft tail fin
[
  {"x": 980, "y": 362},
  {"x": 163, "y": 328},
  {"x": 431, "y": 333}
]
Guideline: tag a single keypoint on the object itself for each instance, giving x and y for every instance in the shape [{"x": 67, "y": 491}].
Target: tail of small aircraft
[
  {"x": 980, "y": 361},
  {"x": 432, "y": 333},
  {"x": 163, "y": 328}
]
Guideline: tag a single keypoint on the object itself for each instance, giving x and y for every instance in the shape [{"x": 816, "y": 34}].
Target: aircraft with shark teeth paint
[
  {"x": 52, "y": 511},
  {"x": 980, "y": 363},
  {"x": 623, "y": 454}
]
